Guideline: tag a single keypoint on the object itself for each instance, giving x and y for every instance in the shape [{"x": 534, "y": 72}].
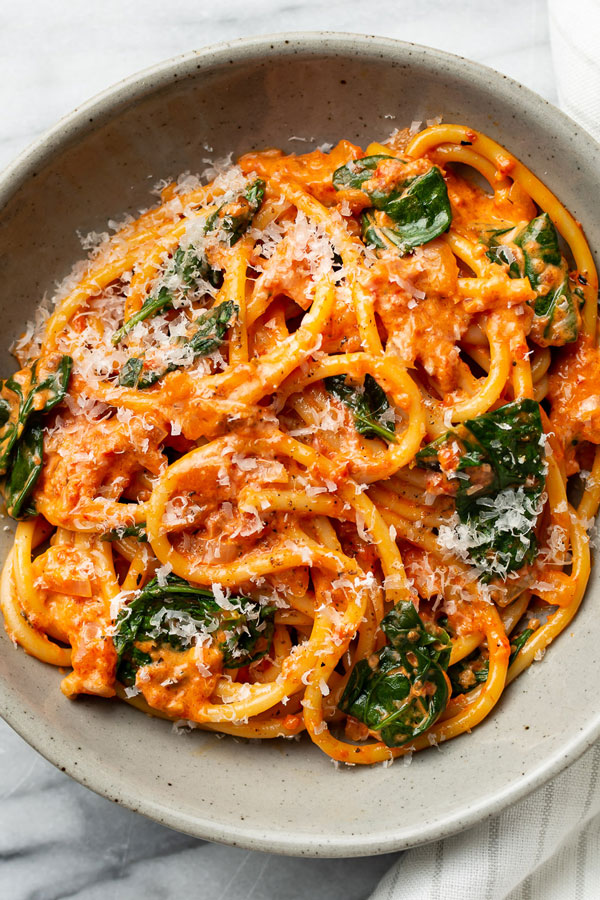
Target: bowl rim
[{"x": 58, "y": 751}]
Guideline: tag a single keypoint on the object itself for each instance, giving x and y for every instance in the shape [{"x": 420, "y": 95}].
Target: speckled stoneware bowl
[{"x": 101, "y": 161}]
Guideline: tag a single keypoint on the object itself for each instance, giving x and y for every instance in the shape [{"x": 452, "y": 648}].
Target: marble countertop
[{"x": 57, "y": 839}]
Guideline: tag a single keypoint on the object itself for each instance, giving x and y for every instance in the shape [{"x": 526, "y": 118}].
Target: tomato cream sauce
[
  {"x": 76, "y": 612},
  {"x": 574, "y": 392},
  {"x": 224, "y": 459},
  {"x": 90, "y": 465},
  {"x": 179, "y": 681}
]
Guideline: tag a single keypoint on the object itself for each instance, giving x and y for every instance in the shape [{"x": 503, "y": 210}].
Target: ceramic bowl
[{"x": 101, "y": 161}]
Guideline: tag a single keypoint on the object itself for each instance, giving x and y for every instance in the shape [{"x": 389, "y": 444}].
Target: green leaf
[
  {"x": 557, "y": 315},
  {"x": 137, "y": 531},
  {"x": 380, "y": 235},
  {"x": 147, "y": 379},
  {"x": 235, "y": 216},
  {"x": 501, "y": 253},
  {"x": 369, "y": 406},
  {"x": 518, "y": 643},
  {"x": 414, "y": 210},
  {"x": 151, "y": 307},
  {"x": 31, "y": 399},
  {"x": 133, "y": 660},
  {"x": 211, "y": 328},
  {"x": 129, "y": 375},
  {"x": 52, "y": 390},
  {"x": 173, "y": 614},
  {"x": 356, "y": 172},
  {"x": 469, "y": 672},
  {"x": 21, "y": 432},
  {"x": 401, "y": 690},
  {"x": 191, "y": 268},
  {"x": 478, "y": 666},
  {"x": 534, "y": 253},
  {"x": 407, "y": 218},
  {"x": 500, "y": 472},
  {"x": 4, "y": 409},
  {"x": 539, "y": 242},
  {"x": 25, "y": 470}
]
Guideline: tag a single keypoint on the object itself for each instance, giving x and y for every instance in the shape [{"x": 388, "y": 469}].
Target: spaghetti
[{"x": 292, "y": 450}]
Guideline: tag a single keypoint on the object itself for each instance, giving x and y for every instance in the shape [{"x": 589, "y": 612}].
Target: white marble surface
[{"x": 57, "y": 839}]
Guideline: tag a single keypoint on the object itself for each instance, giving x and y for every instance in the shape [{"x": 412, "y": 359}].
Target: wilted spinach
[
  {"x": 235, "y": 216},
  {"x": 469, "y": 672},
  {"x": 30, "y": 399},
  {"x": 137, "y": 531},
  {"x": 191, "y": 268},
  {"x": 211, "y": 328},
  {"x": 497, "y": 460},
  {"x": 355, "y": 173},
  {"x": 369, "y": 406},
  {"x": 534, "y": 253},
  {"x": 24, "y": 471},
  {"x": 479, "y": 666},
  {"x": 500, "y": 253},
  {"x": 151, "y": 307},
  {"x": 172, "y": 614},
  {"x": 414, "y": 211},
  {"x": 518, "y": 643},
  {"x": 402, "y": 689},
  {"x": 21, "y": 432},
  {"x": 420, "y": 213}
]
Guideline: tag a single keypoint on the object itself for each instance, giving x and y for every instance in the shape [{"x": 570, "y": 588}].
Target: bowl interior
[{"x": 102, "y": 162}]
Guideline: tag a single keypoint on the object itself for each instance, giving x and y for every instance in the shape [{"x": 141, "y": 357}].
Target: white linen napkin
[
  {"x": 547, "y": 846},
  {"x": 575, "y": 38}
]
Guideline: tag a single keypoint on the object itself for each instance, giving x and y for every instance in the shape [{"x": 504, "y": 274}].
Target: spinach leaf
[
  {"x": 506, "y": 439},
  {"x": 381, "y": 235},
  {"x": 151, "y": 307},
  {"x": 129, "y": 375},
  {"x": 416, "y": 215},
  {"x": 31, "y": 398},
  {"x": 131, "y": 661},
  {"x": 25, "y": 470},
  {"x": 368, "y": 405},
  {"x": 402, "y": 689},
  {"x": 355, "y": 173},
  {"x": 137, "y": 531},
  {"x": 193, "y": 267},
  {"x": 234, "y": 216},
  {"x": 501, "y": 253},
  {"x": 4, "y": 409},
  {"x": 539, "y": 242},
  {"x": 190, "y": 268},
  {"x": 518, "y": 643},
  {"x": 466, "y": 674},
  {"x": 413, "y": 211},
  {"x": 21, "y": 432},
  {"x": 52, "y": 390},
  {"x": 174, "y": 613},
  {"x": 498, "y": 463},
  {"x": 538, "y": 258},
  {"x": 557, "y": 315},
  {"x": 211, "y": 328}
]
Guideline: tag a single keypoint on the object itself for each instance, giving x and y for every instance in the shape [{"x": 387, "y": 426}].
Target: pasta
[{"x": 298, "y": 449}]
